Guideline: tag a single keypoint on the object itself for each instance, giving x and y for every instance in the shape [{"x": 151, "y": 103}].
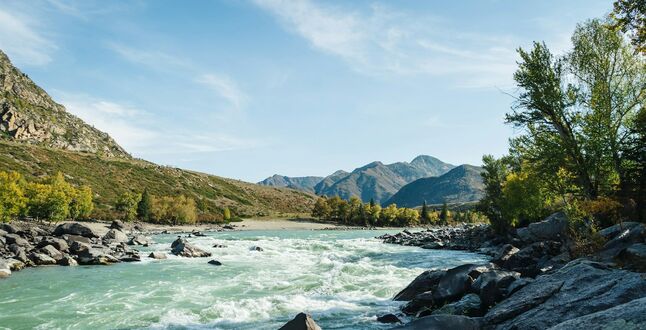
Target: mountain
[
  {"x": 29, "y": 115},
  {"x": 304, "y": 183},
  {"x": 459, "y": 185},
  {"x": 379, "y": 181},
  {"x": 39, "y": 138},
  {"x": 329, "y": 180}
]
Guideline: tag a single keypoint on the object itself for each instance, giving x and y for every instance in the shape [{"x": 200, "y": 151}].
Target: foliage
[
  {"x": 12, "y": 196},
  {"x": 144, "y": 206},
  {"x": 175, "y": 210},
  {"x": 630, "y": 17},
  {"x": 56, "y": 200},
  {"x": 81, "y": 205},
  {"x": 354, "y": 212},
  {"x": 226, "y": 214},
  {"x": 127, "y": 204}
]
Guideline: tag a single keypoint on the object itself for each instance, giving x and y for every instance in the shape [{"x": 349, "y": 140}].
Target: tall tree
[
  {"x": 630, "y": 17},
  {"x": 144, "y": 206}
]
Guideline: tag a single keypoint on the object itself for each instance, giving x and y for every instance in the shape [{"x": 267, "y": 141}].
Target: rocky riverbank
[{"x": 532, "y": 282}]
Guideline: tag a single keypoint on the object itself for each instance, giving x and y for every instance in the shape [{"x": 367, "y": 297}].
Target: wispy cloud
[
  {"x": 22, "y": 41},
  {"x": 385, "y": 41},
  {"x": 225, "y": 88}
]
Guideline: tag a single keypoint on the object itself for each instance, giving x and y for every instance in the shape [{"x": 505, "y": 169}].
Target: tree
[
  {"x": 424, "y": 218},
  {"x": 630, "y": 17},
  {"x": 127, "y": 204},
  {"x": 226, "y": 214},
  {"x": 321, "y": 209},
  {"x": 444, "y": 215},
  {"x": 12, "y": 196},
  {"x": 523, "y": 200},
  {"x": 144, "y": 206},
  {"x": 493, "y": 177},
  {"x": 81, "y": 205}
]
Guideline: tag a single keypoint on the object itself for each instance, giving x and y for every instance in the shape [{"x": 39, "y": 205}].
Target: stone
[
  {"x": 52, "y": 252},
  {"x": 530, "y": 259},
  {"x": 553, "y": 228},
  {"x": 68, "y": 261},
  {"x": 469, "y": 305},
  {"x": 117, "y": 224},
  {"x": 5, "y": 270},
  {"x": 623, "y": 240},
  {"x": 443, "y": 322},
  {"x": 19, "y": 252},
  {"x": 256, "y": 248},
  {"x": 614, "y": 230},
  {"x": 115, "y": 235},
  {"x": 579, "y": 288},
  {"x": 301, "y": 321},
  {"x": 625, "y": 316},
  {"x": 58, "y": 243},
  {"x": 16, "y": 239},
  {"x": 9, "y": 228},
  {"x": 130, "y": 256},
  {"x": 421, "y": 302},
  {"x": 426, "y": 281},
  {"x": 388, "y": 318},
  {"x": 41, "y": 259},
  {"x": 75, "y": 228},
  {"x": 76, "y": 238},
  {"x": 157, "y": 255},
  {"x": 182, "y": 248},
  {"x": 518, "y": 284},
  {"x": 219, "y": 246},
  {"x": 454, "y": 284},
  {"x": 15, "y": 264},
  {"x": 634, "y": 257},
  {"x": 503, "y": 254},
  {"x": 140, "y": 240},
  {"x": 492, "y": 286},
  {"x": 215, "y": 263}
]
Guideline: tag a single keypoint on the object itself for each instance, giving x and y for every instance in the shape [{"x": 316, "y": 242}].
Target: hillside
[
  {"x": 29, "y": 115},
  {"x": 305, "y": 183},
  {"x": 329, "y": 180},
  {"x": 379, "y": 181},
  {"x": 110, "y": 176},
  {"x": 460, "y": 185}
]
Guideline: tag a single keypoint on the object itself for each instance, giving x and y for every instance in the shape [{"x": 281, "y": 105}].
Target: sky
[{"x": 248, "y": 89}]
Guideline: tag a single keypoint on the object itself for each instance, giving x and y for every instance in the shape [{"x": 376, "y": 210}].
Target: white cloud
[
  {"x": 384, "y": 41},
  {"x": 225, "y": 88},
  {"x": 20, "y": 40}
]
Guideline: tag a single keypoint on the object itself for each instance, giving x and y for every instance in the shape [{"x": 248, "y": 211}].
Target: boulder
[
  {"x": 130, "y": 256},
  {"x": 256, "y": 248},
  {"x": 518, "y": 284},
  {"x": 443, "y": 322},
  {"x": 182, "y": 248},
  {"x": 157, "y": 255},
  {"x": 79, "y": 248},
  {"x": 76, "y": 238},
  {"x": 219, "y": 246},
  {"x": 579, "y": 288},
  {"x": 551, "y": 229},
  {"x": 96, "y": 257},
  {"x": 623, "y": 240},
  {"x": 52, "y": 252},
  {"x": 9, "y": 228},
  {"x": 115, "y": 235},
  {"x": 626, "y": 316},
  {"x": 140, "y": 240},
  {"x": 215, "y": 263},
  {"x": 117, "y": 224},
  {"x": 530, "y": 260},
  {"x": 455, "y": 283},
  {"x": 421, "y": 303},
  {"x": 492, "y": 286},
  {"x": 19, "y": 252},
  {"x": 614, "y": 230},
  {"x": 302, "y": 321},
  {"x": 388, "y": 318},
  {"x": 68, "y": 261},
  {"x": 16, "y": 239},
  {"x": 426, "y": 281},
  {"x": 3, "y": 232},
  {"x": 469, "y": 305},
  {"x": 41, "y": 259},
  {"x": 58, "y": 243},
  {"x": 634, "y": 257},
  {"x": 75, "y": 228},
  {"x": 5, "y": 269},
  {"x": 503, "y": 254},
  {"x": 15, "y": 264}
]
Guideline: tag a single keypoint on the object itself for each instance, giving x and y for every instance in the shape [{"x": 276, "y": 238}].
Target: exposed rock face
[
  {"x": 635, "y": 257},
  {"x": 469, "y": 305},
  {"x": 551, "y": 229},
  {"x": 443, "y": 322},
  {"x": 626, "y": 316},
  {"x": 75, "y": 228},
  {"x": 182, "y": 248},
  {"x": 302, "y": 321},
  {"x": 115, "y": 235},
  {"x": 580, "y": 288},
  {"x": 117, "y": 224},
  {"x": 28, "y": 114}
]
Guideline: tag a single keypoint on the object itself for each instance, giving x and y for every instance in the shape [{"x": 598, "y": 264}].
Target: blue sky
[{"x": 246, "y": 89}]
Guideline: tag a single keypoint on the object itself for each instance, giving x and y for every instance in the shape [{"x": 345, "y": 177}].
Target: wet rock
[
  {"x": 228, "y": 227},
  {"x": 117, "y": 224},
  {"x": 443, "y": 322},
  {"x": 15, "y": 264},
  {"x": 625, "y": 316},
  {"x": 469, "y": 305},
  {"x": 181, "y": 247},
  {"x": 426, "y": 281},
  {"x": 96, "y": 257},
  {"x": 518, "y": 284},
  {"x": 115, "y": 235},
  {"x": 421, "y": 303},
  {"x": 198, "y": 234},
  {"x": 388, "y": 318},
  {"x": 52, "y": 252},
  {"x": 454, "y": 284},
  {"x": 157, "y": 255},
  {"x": 531, "y": 259},
  {"x": 5, "y": 270},
  {"x": 130, "y": 256},
  {"x": 256, "y": 248},
  {"x": 219, "y": 246},
  {"x": 75, "y": 228},
  {"x": 68, "y": 261},
  {"x": 492, "y": 286},
  {"x": 215, "y": 263},
  {"x": 302, "y": 321},
  {"x": 634, "y": 257},
  {"x": 140, "y": 240},
  {"x": 58, "y": 243},
  {"x": 41, "y": 259},
  {"x": 579, "y": 288}
]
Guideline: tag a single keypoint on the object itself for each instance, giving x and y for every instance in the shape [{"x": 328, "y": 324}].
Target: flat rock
[
  {"x": 115, "y": 235},
  {"x": 443, "y": 322},
  {"x": 302, "y": 321},
  {"x": 41, "y": 259},
  {"x": 215, "y": 263},
  {"x": 634, "y": 257},
  {"x": 469, "y": 305},
  {"x": 75, "y": 228},
  {"x": 58, "y": 243},
  {"x": 52, "y": 252},
  {"x": 630, "y": 315}
]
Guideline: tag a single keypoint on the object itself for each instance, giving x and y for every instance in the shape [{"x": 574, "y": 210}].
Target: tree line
[
  {"x": 356, "y": 213},
  {"x": 582, "y": 118}
]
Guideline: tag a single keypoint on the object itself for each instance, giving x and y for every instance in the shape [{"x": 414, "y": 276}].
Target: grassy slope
[{"x": 109, "y": 177}]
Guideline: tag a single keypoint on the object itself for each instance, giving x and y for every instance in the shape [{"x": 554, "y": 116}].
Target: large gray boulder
[
  {"x": 579, "y": 288},
  {"x": 503, "y": 254},
  {"x": 75, "y": 228},
  {"x": 302, "y": 321},
  {"x": 614, "y": 230},
  {"x": 9, "y": 228},
  {"x": 492, "y": 286},
  {"x": 16, "y": 239},
  {"x": 443, "y": 322},
  {"x": 426, "y": 281},
  {"x": 41, "y": 259},
  {"x": 52, "y": 252},
  {"x": 456, "y": 282},
  {"x": 628, "y": 316},
  {"x": 531, "y": 260},
  {"x": 117, "y": 224},
  {"x": 140, "y": 240},
  {"x": 58, "y": 243},
  {"x": 634, "y": 257},
  {"x": 115, "y": 235},
  {"x": 469, "y": 305},
  {"x": 627, "y": 237},
  {"x": 5, "y": 270},
  {"x": 181, "y": 247},
  {"x": 553, "y": 228},
  {"x": 157, "y": 255}
]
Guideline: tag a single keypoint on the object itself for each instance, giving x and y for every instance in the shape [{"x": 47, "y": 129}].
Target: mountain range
[
  {"x": 400, "y": 182},
  {"x": 39, "y": 138}
]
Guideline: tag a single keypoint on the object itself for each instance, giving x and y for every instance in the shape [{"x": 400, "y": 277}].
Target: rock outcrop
[
  {"x": 301, "y": 321},
  {"x": 181, "y": 247}
]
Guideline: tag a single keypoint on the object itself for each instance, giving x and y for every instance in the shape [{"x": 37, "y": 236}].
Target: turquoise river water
[{"x": 343, "y": 278}]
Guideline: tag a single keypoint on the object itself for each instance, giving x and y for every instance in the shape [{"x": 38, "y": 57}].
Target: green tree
[
  {"x": 493, "y": 177},
  {"x": 322, "y": 209},
  {"x": 630, "y": 17},
  {"x": 226, "y": 213},
  {"x": 126, "y": 204},
  {"x": 12, "y": 196},
  {"x": 144, "y": 206},
  {"x": 81, "y": 205},
  {"x": 444, "y": 215},
  {"x": 424, "y": 217}
]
